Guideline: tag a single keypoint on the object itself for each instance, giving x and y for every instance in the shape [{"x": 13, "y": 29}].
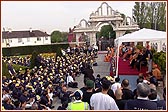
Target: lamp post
[{"x": 155, "y": 10}]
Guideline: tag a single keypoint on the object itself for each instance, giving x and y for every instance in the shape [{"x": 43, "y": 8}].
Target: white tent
[{"x": 142, "y": 35}]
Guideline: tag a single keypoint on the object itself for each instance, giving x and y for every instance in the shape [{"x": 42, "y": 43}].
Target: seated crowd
[{"x": 35, "y": 89}]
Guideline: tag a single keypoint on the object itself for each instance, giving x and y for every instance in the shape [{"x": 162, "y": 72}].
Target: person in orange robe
[
  {"x": 112, "y": 52},
  {"x": 156, "y": 72}
]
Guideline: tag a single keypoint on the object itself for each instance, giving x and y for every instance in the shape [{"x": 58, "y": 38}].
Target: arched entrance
[
  {"x": 104, "y": 14},
  {"x": 105, "y": 37}
]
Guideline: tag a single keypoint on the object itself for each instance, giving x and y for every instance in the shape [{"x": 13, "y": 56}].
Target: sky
[{"x": 53, "y": 15}]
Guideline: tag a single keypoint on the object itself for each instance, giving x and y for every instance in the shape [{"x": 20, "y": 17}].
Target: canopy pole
[{"x": 117, "y": 58}]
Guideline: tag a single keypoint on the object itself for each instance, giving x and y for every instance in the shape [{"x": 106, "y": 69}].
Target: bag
[{"x": 97, "y": 83}]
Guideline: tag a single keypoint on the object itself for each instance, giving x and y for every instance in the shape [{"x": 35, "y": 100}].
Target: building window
[
  {"x": 38, "y": 38},
  {"x": 28, "y": 39},
  {"x": 3, "y": 40},
  {"x": 46, "y": 38},
  {"x": 19, "y": 40}
]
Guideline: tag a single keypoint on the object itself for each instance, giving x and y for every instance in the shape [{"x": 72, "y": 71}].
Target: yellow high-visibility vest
[{"x": 78, "y": 106}]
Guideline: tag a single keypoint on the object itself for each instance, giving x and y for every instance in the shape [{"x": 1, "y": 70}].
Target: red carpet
[{"x": 125, "y": 69}]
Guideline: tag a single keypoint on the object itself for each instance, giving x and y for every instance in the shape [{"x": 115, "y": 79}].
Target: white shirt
[
  {"x": 115, "y": 85},
  {"x": 63, "y": 52},
  {"x": 69, "y": 79},
  {"x": 51, "y": 95},
  {"x": 68, "y": 50},
  {"x": 100, "y": 101},
  {"x": 5, "y": 96},
  {"x": 95, "y": 47}
]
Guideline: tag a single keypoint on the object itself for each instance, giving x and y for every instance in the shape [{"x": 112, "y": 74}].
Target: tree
[
  {"x": 33, "y": 60},
  {"x": 150, "y": 15},
  {"x": 140, "y": 13},
  {"x": 161, "y": 16},
  {"x": 65, "y": 36},
  {"x": 107, "y": 32},
  {"x": 57, "y": 36}
]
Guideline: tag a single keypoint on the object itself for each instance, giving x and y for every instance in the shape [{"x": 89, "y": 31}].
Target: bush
[
  {"x": 46, "y": 55},
  {"x": 160, "y": 59},
  {"x": 5, "y": 71},
  {"x": 33, "y": 59},
  {"x": 17, "y": 67},
  {"x": 140, "y": 47},
  {"x": 153, "y": 50}
]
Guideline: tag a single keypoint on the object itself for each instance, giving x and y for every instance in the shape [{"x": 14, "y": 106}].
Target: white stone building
[{"x": 24, "y": 38}]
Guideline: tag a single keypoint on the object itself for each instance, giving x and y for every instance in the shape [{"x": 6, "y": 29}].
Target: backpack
[
  {"x": 97, "y": 83},
  {"x": 154, "y": 81}
]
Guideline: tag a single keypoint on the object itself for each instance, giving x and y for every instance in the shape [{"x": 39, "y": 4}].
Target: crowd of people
[
  {"x": 113, "y": 95},
  {"x": 35, "y": 88},
  {"x": 109, "y": 55},
  {"x": 140, "y": 57}
]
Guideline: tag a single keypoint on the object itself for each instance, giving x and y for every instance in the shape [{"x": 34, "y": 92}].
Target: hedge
[
  {"x": 27, "y": 50},
  {"x": 5, "y": 71}
]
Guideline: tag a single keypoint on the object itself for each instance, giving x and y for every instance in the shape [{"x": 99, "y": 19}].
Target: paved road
[{"x": 103, "y": 69}]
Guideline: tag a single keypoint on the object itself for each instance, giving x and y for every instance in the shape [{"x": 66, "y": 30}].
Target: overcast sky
[{"x": 53, "y": 15}]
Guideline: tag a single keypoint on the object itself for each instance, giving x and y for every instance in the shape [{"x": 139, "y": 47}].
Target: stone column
[
  {"x": 94, "y": 38},
  {"x": 77, "y": 38},
  {"x": 144, "y": 43},
  {"x": 99, "y": 45},
  {"x": 159, "y": 46}
]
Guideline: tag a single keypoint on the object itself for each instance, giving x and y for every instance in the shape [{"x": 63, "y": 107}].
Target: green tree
[
  {"x": 146, "y": 14},
  {"x": 33, "y": 59},
  {"x": 107, "y": 32},
  {"x": 65, "y": 36},
  {"x": 56, "y": 36},
  {"x": 140, "y": 13},
  {"x": 161, "y": 16}
]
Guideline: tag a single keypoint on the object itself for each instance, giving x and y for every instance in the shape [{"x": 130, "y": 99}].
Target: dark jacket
[
  {"x": 88, "y": 73},
  {"x": 139, "y": 104},
  {"x": 127, "y": 94}
]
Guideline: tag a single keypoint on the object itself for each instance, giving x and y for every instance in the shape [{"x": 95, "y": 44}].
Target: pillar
[
  {"x": 77, "y": 38},
  {"x": 159, "y": 46}
]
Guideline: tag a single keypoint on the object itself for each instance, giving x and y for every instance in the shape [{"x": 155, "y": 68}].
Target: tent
[{"x": 142, "y": 35}]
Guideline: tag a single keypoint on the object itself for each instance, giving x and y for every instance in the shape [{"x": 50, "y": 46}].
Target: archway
[
  {"x": 104, "y": 14},
  {"x": 105, "y": 36}
]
